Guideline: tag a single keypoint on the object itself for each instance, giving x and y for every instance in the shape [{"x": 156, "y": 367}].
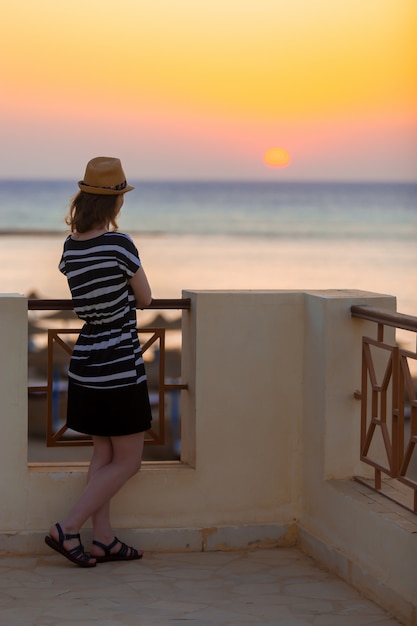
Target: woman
[{"x": 107, "y": 392}]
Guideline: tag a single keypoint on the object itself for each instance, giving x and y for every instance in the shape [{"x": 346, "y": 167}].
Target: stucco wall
[
  {"x": 364, "y": 541},
  {"x": 242, "y": 418},
  {"x": 13, "y": 411},
  {"x": 269, "y": 413}
]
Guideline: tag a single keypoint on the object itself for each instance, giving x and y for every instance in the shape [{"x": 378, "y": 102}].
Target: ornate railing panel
[
  {"x": 389, "y": 407},
  {"x": 60, "y": 342}
]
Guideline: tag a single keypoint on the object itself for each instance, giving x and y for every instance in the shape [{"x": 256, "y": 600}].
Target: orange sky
[{"x": 189, "y": 89}]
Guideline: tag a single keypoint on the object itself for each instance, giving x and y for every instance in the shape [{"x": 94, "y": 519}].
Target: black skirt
[{"x": 108, "y": 412}]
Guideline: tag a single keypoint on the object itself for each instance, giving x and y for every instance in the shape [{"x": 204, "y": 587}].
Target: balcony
[{"x": 270, "y": 444}]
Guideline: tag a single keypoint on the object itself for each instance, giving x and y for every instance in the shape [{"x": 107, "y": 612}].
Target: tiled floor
[{"x": 268, "y": 587}]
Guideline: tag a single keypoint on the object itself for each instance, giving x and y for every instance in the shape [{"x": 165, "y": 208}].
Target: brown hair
[{"x": 88, "y": 211}]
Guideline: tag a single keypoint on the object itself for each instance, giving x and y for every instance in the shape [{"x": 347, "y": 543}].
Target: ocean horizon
[
  {"x": 227, "y": 208},
  {"x": 229, "y": 235}
]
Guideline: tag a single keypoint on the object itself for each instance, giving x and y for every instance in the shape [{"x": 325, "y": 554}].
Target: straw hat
[{"x": 104, "y": 176}]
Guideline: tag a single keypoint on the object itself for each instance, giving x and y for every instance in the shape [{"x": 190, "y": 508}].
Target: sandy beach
[{"x": 174, "y": 263}]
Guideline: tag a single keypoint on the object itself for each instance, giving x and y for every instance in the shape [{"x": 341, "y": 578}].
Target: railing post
[{"x": 395, "y": 413}]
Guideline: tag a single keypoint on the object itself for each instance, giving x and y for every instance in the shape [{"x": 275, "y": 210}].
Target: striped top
[{"x": 107, "y": 353}]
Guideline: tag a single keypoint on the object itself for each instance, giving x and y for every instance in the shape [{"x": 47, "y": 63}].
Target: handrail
[
  {"x": 388, "y": 402},
  {"x": 383, "y": 316},
  {"x": 35, "y": 304}
]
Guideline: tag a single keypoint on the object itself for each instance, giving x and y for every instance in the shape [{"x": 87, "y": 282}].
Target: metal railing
[
  {"x": 388, "y": 398},
  {"x": 56, "y": 431}
]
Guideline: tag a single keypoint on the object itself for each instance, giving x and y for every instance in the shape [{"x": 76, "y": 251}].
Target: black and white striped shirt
[{"x": 107, "y": 353}]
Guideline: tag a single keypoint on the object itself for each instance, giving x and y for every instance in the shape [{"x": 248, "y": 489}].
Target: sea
[{"x": 229, "y": 235}]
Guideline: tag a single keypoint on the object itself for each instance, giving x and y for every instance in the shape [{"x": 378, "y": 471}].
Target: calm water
[
  {"x": 278, "y": 210},
  {"x": 230, "y": 235}
]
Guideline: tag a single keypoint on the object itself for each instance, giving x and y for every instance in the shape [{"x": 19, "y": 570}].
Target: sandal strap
[
  {"x": 79, "y": 554},
  {"x": 106, "y": 549},
  {"x": 123, "y": 551},
  {"x": 68, "y": 537},
  {"x": 65, "y": 536},
  {"x": 126, "y": 550}
]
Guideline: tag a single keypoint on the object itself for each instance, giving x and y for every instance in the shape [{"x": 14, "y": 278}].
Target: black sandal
[
  {"x": 124, "y": 554},
  {"x": 75, "y": 555}
]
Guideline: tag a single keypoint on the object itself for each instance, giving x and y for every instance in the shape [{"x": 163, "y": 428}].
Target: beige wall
[
  {"x": 364, "y": 541},
  {"x": 242, "y": 454},
  {"x": 13, "y": 412},
  {"x": 270, "y": 438}
]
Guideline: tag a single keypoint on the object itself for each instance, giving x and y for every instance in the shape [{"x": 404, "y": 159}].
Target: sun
[{"x": 277, "y": 157}]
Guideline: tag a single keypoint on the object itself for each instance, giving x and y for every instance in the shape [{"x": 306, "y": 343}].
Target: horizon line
[{"x": 224, "y": 180}]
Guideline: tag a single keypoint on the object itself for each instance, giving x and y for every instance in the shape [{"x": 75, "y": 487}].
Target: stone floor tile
[{"x": 266, "y": 588}]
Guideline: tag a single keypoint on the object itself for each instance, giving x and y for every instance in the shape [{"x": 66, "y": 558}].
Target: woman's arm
[{"x": 141, "y": 288}]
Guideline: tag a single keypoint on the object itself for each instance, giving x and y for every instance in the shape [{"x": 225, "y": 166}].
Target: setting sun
[
  {"x": 277, "y": 157},
  {"x": 211, "y": 89}
]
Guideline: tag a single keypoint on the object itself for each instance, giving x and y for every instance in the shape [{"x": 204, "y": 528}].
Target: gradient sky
[{"x": 183, "y": 89}]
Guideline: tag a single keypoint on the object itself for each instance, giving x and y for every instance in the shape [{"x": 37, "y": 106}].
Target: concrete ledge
[
  {"x": 221, "y": 538},
  {"x": 358, "y": 577}
]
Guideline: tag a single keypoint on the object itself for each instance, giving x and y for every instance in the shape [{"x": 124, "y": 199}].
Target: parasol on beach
[
  {"x": 159, "y": 321},
  {"x": 172, "y": 367},
  {"x": 65, "y": 314},
  {"x": 33, "y": 329},
  {"x": 38, "y": 359}
]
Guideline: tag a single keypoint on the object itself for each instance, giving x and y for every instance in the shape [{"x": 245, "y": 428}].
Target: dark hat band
[{"x": 114, "y": 187}]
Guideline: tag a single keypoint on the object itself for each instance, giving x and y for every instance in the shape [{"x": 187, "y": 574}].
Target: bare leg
[
  {"x": 105, "y": 480},
  {"x": 102, "y": 530},
  {"x": 102, "y": 455}
]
